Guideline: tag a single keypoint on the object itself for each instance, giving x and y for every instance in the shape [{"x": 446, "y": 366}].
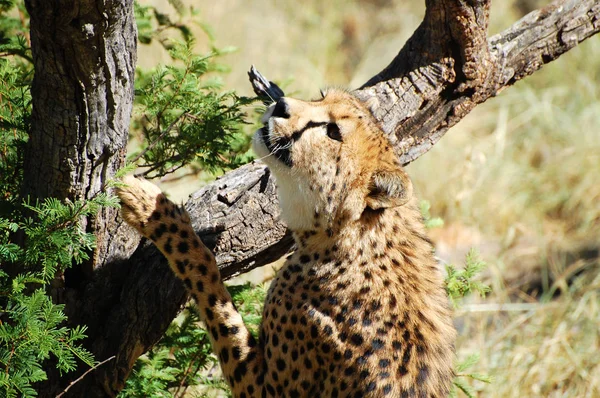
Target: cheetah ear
[{"x": 389, "y": 188}]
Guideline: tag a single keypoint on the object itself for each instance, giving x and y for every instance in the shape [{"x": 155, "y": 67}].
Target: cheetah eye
[{"x": 333, "y": 132}]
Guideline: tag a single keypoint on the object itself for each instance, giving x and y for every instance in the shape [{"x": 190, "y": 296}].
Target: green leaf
[
  {"x": 436, "y": 222},
  {"x": 460, "y": 283}
]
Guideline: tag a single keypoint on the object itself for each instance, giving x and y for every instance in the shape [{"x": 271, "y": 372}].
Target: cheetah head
[{"x": 331, "y": 160}]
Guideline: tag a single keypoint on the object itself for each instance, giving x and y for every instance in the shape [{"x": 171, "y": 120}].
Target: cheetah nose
[{"x": 281, "y": 109}]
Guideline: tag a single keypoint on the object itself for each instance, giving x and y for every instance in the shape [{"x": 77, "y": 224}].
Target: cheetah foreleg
[{"x": 168, "y": 226}]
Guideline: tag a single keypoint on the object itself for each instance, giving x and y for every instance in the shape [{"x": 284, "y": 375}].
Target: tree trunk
[
  {"x": 84, "y": 53},
  {"x": 84, "y": 56}
]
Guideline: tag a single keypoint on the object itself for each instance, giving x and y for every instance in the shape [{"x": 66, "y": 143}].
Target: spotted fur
[{"x": 359, "y": 309}]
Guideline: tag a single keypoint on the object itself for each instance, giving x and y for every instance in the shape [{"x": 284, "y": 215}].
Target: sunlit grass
[{"x": 524, "y": 171}]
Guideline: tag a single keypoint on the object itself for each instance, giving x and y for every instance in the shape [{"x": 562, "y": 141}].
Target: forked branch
[{"x": 449, "y": 66}]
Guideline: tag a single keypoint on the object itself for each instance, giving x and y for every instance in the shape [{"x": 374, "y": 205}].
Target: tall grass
[{"x": 524, "y": 173}]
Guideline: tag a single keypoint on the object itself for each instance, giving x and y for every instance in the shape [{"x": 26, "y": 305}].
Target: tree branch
[
  {"x": 446, "y": 68},
  {"x": 541, "y": 37},
  {"x": 77, "y": 380}
]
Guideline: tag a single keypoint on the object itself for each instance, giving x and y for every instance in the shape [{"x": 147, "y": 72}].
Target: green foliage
[
  {"x": 459, "y": 382},
  {"x": 184, "y": 117},
  {"x": 430, "y": 222},
  {"x": 15, "y": 108},
  {"x": 32, "y": 327},
  {"x": 461, "y": 282},
  {"x": 173, "y": 365},
  {"x": 154, "y": 25},
  {"x": 54, "y": 238},
  {"x": 16, "y": 73},
  {"x": 14, "y": 30},
  {"x": 249, "y": 301},
  {"x": 151, "y": 376},
  {"x": 33, "y": 330}
]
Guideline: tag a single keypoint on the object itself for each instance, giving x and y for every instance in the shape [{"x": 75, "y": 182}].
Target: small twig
[
  {"x": 160, "y": 137},
  {"x": 77, "y": 380},
  {"x": 503, "y": 307},
  {"x": 155, "y": 166},
  {"x": 187, "y": 372},
  {"x": 193, "y": 117}
]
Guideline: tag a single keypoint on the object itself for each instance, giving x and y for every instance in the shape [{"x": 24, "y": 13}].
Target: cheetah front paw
[{"x": 142, "y": 204}]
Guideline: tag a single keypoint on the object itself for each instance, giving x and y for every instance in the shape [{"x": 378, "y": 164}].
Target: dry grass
[
  {"x": 524, "y": 183},
  {"x": 522, "y": 179}
]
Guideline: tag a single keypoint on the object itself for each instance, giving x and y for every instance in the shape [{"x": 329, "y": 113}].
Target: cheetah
[{"x": 359, "y": 309}]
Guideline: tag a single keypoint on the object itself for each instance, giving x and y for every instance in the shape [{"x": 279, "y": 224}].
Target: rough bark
[
  {"x": 238, "y": 220},
  {"x": 446, "y": 69},
  {"x": 84, "y": 56}
]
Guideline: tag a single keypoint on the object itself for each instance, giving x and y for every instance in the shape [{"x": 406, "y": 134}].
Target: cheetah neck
[
  {"x": 387, "y": 252},
  {"x": 394, "y": 235}
]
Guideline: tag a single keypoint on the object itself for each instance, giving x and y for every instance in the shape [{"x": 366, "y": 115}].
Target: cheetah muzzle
[{"x": 359, "y": 309}]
